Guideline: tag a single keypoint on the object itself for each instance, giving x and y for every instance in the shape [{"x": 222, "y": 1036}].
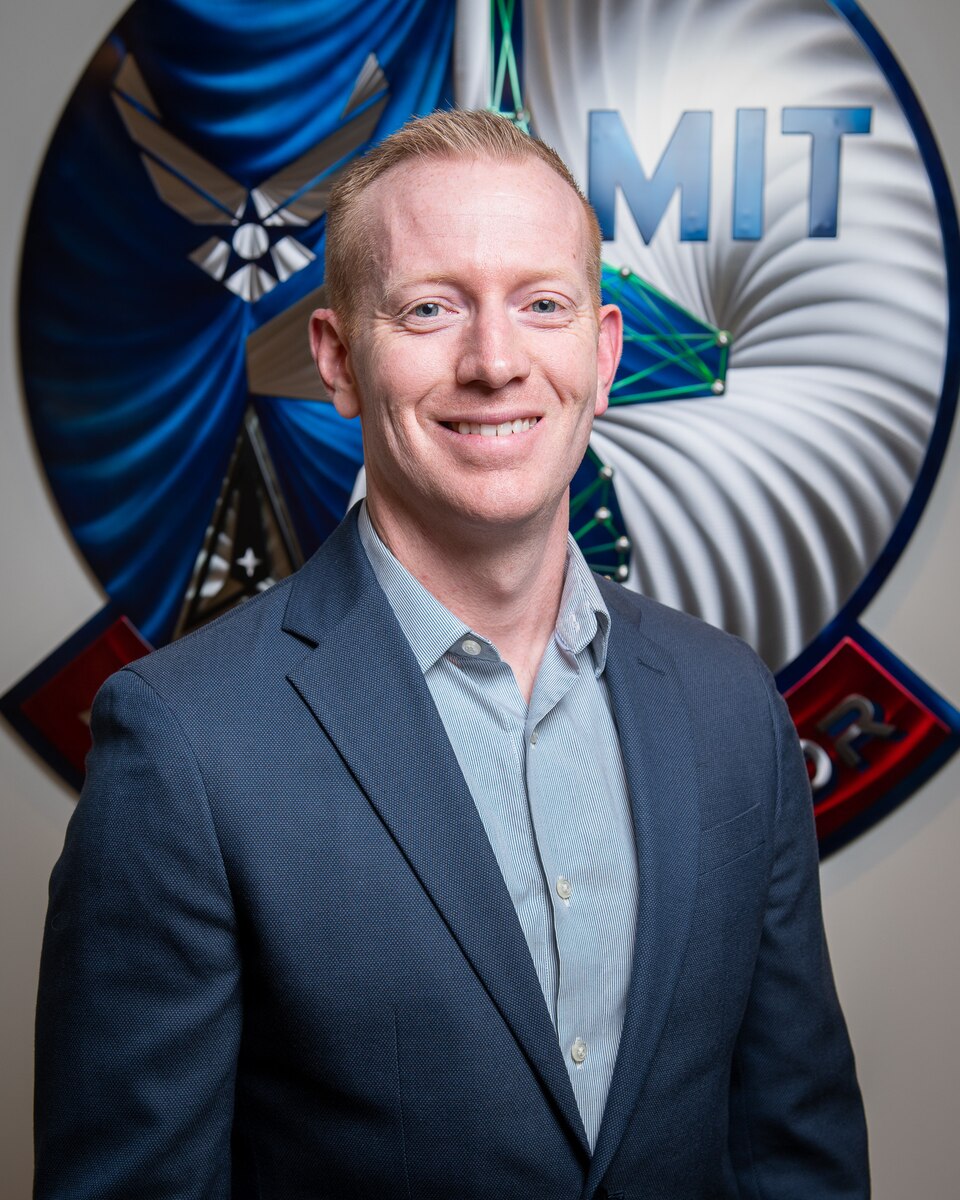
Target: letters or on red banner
[{"x": 864, "y": 732}]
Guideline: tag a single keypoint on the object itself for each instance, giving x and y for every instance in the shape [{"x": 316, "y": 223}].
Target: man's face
[{"x": 479, "y": 359}]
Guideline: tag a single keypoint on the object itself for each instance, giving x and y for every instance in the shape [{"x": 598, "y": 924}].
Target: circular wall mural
[{"x": 778, "y": 232}]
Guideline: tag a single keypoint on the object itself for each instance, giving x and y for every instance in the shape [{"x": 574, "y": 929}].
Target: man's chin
[
  {"x": 486, "y": 511},
  {"x": 504, "y": 517}
]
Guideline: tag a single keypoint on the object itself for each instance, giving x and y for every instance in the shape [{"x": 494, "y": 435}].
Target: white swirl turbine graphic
[{"x": 762, "y": 510}]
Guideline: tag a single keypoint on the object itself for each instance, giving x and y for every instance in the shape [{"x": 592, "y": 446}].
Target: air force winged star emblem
[{"x": 259, "y": 252}]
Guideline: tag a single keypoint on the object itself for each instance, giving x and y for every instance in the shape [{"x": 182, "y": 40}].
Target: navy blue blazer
[{"x": 281, "y": 962}]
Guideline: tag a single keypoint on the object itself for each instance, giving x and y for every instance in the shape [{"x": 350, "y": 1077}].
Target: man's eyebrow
[
  {"x": 402, "y": 284},
  {"x": 550, "y": 277}
]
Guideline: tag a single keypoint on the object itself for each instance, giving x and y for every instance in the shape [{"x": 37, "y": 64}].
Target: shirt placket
[
  {"x": 555, "y": 840},
  {"x": 504, "y": 804}
]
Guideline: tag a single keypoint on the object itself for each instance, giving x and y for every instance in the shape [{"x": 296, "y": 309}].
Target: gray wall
[{"x": 891, "y": 899}]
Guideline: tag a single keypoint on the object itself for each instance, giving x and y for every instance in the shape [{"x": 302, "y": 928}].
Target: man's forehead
[{"x": 497, "y": 202}]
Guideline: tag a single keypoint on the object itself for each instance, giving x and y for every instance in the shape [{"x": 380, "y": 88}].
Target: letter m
[{"x": 685, "y": 164}]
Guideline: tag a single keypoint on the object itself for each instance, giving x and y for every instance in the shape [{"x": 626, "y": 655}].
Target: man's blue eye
[
  {"x": 544, "y": 307},
  {"x": 429, "y": 309}
]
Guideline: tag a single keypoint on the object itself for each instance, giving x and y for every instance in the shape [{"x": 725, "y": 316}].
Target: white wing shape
[
  {"x": 183, "y": 179},
  {"x": 298, "y": 194}
]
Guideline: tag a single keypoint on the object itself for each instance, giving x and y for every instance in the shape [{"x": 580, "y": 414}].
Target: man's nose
[{"x": 493, "y": 351}]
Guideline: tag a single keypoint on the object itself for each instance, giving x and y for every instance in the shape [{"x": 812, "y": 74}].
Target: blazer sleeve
[
  {"x": 796, "y": 1121},
  {"x": 138, "y": 1017}
]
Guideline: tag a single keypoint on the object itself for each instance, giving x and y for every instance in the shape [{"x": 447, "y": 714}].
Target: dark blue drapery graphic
[{"x": 134, "y": 358}]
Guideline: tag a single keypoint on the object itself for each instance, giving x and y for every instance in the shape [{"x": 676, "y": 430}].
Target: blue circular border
[{"x": 910, "y": 105}]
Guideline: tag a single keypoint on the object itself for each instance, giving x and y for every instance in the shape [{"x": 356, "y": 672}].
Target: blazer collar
[{"x": 366, "y": 690}]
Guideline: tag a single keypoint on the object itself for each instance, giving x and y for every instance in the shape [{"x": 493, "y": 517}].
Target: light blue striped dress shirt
[{"x": 549, "y": 785}]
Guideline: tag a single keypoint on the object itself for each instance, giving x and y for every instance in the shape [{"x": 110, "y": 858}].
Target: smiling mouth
[{"x": 504, "y": 429}]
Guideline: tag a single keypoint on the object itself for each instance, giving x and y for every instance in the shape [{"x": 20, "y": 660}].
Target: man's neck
[{"x": 506, "y": 587}]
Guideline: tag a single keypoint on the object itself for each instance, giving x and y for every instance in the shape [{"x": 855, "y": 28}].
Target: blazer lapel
[
  {"x": 659, "y": 757},
  {"x": 366, "y": 690}
]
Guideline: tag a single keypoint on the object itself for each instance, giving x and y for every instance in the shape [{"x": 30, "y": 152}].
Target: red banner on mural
[
  {"x": 863, "y": 732},
  {"x": 60, "y": 708}
]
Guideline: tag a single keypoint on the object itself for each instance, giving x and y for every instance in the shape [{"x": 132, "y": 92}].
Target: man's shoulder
[
  {"x": 230, "y": 647},
  {"x": 685, "y": 638},
  {"x": 266, "y": 634}
]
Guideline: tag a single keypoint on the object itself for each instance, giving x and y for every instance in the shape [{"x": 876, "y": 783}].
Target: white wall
[
  {"x": 890, "y": 898},
  {"x": 46, "y": 593}
]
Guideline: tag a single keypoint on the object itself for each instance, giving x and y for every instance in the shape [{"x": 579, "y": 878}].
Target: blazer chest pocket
[{"x": 732, "y": 839}]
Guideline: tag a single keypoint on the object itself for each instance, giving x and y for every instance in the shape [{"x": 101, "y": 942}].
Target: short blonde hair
[{"x": 457, "y": 134}]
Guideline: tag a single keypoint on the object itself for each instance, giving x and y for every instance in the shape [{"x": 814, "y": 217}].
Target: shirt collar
[
  {"x": 433, "y": 631},
  {"x": 583, "y": 619}
]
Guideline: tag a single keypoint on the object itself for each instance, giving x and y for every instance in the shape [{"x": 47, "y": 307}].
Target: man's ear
[
  {"x": 331, "y": 353},
  {"x": 609, "y": 348}
]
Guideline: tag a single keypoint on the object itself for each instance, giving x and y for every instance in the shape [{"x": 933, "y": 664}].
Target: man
[{"x": 444, "y": 869}]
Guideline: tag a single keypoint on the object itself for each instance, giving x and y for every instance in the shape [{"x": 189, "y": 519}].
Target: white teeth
[{"x": 521, "y": 425}]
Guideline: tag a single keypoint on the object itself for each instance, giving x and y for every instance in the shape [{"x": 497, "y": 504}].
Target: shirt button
[
  {"x": 469, "y": 646},
  {"x": 578, "y": 1051},
  {"x": 564, "y": 890},
  {"x": 533, "y": 738}
]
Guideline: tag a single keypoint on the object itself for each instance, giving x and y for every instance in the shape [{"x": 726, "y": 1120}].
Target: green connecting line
[
  {"x": 505, "y": 69},
  {"x": 672, "y": 355},
  {"x": 698, "y": 367},
  {"x": 680, "y": 347},
  {"x": 591, "y": 504},
  {"x": 598, "y": 485},
  {"x": 688, "y": 355},
  {"x": 651, "y": 323},
  {"x": 662, "y": 327}
]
